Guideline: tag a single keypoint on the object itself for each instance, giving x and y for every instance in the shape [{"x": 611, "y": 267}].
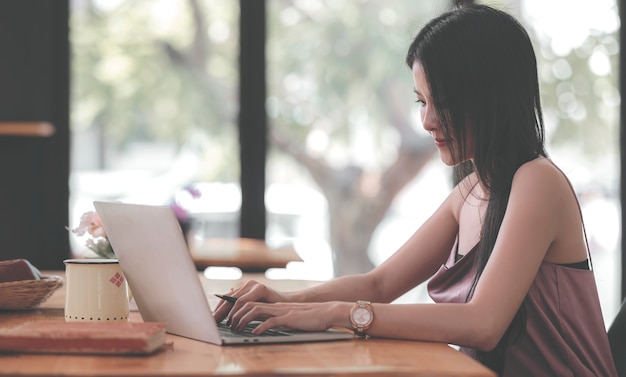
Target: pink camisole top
[{"x": 564, "y": 333}]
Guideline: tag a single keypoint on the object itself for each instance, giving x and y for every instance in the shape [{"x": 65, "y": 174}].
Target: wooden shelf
[{"x": 27, "y": 129}]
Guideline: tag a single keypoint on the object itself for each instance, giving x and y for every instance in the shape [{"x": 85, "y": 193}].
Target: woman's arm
[
  {"x": 413, "y": 263},
  {"x": 539, "y": 214},
  {"x": 417, "y": 260}
]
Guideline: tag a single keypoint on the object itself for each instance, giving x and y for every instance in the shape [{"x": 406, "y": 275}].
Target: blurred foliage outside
[
  {"x": 340, "y": 99},
  {"x": 127, "y": 90}
]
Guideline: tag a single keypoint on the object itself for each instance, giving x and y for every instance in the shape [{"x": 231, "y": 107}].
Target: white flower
[{"x": 97, "y": 241}]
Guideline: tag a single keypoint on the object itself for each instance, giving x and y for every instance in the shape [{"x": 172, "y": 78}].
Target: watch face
[{"x": 362, "y": 316}]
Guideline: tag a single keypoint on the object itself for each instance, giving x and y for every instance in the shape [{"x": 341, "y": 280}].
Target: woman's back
[{"x": 563, "y": 332}]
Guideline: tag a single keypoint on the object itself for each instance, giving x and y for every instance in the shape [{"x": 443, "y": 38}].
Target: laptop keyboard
[{"x": 247, "y": 331}]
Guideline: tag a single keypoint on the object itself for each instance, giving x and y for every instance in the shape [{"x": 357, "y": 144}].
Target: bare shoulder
[
  {"x": 540, "y": 190},
  {"x": 541, "y": 176}
]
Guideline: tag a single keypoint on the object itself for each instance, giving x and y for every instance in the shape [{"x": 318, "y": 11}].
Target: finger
[
  {"x": 250, "y": 312},
  {"x": 223, "y": 307},
  {"x": 250, "y": 292},
  {"x": 272, "y": 315},
  {"x": 221, "y": 310},
  {"x": 238, "y": 316},
  {"x": 268, "y": 324}
]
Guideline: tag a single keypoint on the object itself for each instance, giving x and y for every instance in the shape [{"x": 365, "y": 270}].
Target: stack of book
[{"x": 83, "y": 337}]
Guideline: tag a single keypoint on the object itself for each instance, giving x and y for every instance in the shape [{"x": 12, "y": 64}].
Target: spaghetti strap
[{"x": 580, "y": 212}]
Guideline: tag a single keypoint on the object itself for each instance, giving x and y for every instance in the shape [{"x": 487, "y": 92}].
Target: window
[
  {"x": 154, "y": 110},
  {"x": 578, "y": 59},
  {"x": 154, "y": 101}
]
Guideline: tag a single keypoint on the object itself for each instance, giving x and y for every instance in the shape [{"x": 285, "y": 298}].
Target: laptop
[{"x": 153, "y": 254}]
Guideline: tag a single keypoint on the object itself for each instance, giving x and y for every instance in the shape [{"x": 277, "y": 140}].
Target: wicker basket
[{"x": 26, "y": 294}]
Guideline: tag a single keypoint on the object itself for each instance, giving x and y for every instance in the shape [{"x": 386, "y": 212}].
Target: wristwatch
[{"x": 361, "y": 317}]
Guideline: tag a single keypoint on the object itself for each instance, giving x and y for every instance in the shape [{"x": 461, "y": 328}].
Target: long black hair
[{"x": 481, "y": 68}]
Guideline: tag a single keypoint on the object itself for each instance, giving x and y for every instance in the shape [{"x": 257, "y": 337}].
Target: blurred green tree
[
  {"x": 339, "y": 99},
  {"x": 156, "y": 71},
  {"x": 351, "y": 54}
]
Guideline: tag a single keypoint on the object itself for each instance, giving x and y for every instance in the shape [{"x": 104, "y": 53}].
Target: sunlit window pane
[
  {"x": 340, "y": 106},
  {"x": 578, "y": 53},
  {"x": 154, "y": 98}
]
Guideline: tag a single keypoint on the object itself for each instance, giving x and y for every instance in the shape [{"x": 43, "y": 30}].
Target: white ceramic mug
[{"x": 96, "y": 291}]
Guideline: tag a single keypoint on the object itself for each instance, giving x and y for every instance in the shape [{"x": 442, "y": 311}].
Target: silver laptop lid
[{"x": 161, "y": 274}]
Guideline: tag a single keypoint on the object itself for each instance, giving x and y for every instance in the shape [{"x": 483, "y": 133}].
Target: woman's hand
[
  {"x": 256, "y": 301},
  {"x": 251, "y": 291},
  {"x": 316, "y": 316}
]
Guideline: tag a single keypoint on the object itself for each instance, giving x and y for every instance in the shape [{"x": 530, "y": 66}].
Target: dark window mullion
[{"x": 252, "y": 118}]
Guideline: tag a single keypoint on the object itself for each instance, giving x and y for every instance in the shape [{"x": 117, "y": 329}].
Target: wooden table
[
  {"x": 250, "y": 255},
  {"x": 372, "y": 357}
]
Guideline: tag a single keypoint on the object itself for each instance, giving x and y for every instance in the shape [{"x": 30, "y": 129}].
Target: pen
[{"x": 227, "y": 298}]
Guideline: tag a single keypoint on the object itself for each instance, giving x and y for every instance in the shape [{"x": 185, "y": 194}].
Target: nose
[{"x": 430, "y": 120}]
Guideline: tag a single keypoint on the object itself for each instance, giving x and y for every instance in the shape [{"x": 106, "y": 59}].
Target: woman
[{"x": 506, "y": 251}]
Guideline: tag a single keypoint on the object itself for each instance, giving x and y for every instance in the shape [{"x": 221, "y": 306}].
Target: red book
[{"x": 83, "y": 337}]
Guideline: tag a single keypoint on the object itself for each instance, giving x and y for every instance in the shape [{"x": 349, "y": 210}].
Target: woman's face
[{"x": 431, "y": 122}]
